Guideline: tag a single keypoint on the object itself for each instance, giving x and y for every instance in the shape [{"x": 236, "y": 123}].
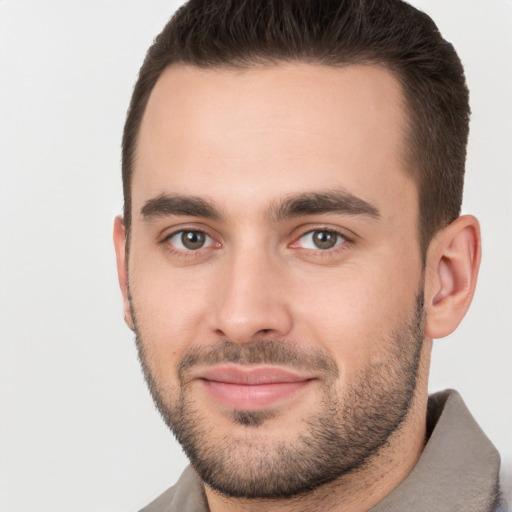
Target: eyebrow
[
  {"x": 165, "y": 205},
  {"x": 309, "y": 203},
  {"x": 315, "y": 203}
]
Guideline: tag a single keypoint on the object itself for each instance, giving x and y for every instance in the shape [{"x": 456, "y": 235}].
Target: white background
[{"x": 78, "y": 431}]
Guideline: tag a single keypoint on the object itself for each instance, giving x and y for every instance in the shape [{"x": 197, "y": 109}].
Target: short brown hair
[{"x": 389, "y": 33}]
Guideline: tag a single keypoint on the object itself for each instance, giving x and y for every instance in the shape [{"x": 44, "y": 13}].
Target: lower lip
[{"x": 253, "y": 397}]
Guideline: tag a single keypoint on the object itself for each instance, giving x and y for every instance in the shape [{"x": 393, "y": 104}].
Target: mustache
[{"x": 271, "y": 352}]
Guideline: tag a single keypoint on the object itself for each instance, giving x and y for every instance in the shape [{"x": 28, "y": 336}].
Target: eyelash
[
  {"x": 190, "y": 253},
  {"x": 340, "y": 245}
]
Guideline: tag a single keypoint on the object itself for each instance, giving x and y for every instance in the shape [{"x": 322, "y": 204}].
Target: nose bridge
[{"x": 251, "y": 298}]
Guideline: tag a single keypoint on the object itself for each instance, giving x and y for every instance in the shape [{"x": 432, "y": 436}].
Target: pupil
[
  {"x": 324, "y": 239},
  {"x": 192, "y": 239}
]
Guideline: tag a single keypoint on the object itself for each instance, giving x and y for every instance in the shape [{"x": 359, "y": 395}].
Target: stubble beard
[{"x": 338, "y": 438}]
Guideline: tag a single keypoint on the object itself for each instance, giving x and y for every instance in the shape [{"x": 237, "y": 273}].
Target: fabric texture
[{"x": 458, "y": 470}]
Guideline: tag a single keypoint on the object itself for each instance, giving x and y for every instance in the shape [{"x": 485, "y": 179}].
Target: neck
[{"x": 357, "y": 492}]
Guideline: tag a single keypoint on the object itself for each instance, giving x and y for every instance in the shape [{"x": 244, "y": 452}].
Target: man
[{"x": 290, "y": 246}]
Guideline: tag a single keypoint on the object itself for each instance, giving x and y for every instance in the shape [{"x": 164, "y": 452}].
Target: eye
[
  {"x": 190, "y": 240},
  {"x": 322, "y": 239}
]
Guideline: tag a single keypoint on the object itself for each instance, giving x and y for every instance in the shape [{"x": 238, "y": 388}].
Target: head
[{"x": 292, "y": 176}]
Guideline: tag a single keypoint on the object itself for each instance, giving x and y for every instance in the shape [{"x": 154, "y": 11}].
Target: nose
[{"x": 251, "y": 299}]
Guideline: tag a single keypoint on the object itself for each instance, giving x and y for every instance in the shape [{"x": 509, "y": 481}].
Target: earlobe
[
  {"x": 122, "y": 268},
  {"x": 453, "y": 261}
]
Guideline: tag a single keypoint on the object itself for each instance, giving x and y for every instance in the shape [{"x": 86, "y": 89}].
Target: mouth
[{"x": 251, "y": 388}]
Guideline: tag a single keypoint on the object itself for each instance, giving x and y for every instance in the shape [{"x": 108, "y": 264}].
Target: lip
[{"x": 251, "y": 388}]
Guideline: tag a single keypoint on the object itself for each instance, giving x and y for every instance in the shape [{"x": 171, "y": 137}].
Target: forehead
[{"x": 272, "y": 130}]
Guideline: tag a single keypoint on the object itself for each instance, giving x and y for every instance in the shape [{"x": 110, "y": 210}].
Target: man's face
[{"x": 275, "y": 275}]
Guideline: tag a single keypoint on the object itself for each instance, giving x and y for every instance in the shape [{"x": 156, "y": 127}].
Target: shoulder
[{"x": 187, "y": 495}]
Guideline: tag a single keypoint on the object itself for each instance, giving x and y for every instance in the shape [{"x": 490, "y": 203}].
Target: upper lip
[{"x": 249, "y": 376}]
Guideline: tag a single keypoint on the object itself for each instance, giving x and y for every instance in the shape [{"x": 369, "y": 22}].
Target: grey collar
[{"x": 458, "y": 469}]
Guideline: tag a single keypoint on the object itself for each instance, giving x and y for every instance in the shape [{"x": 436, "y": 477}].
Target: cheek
[
  {"x": 170, "y": 309},
  {"x": 355, "y": 313}
]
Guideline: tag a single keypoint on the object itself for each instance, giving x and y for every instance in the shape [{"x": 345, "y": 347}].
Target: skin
[{"x": 245, "y": 141}]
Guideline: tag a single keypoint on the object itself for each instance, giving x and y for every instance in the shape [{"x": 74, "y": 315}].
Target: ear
[
  {"x": 122, "y": 268},
  {"x": 453, "y": 259}
]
